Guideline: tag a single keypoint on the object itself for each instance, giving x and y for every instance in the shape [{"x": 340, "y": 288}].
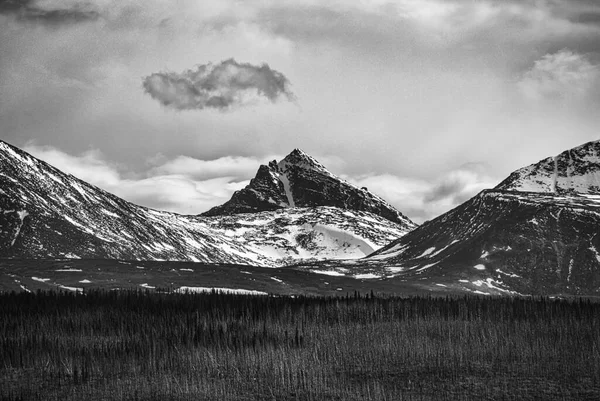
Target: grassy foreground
[{"x": 150, "y": 346}]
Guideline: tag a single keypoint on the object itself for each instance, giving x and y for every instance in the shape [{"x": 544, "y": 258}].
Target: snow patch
[
  {"x": 508, "y": 274},
  {"x": 22, "y": 214},
  {"x": 74, "y": 289},
  {"x": 427, "y": 252},
  {"x": 570, "y": 270},
  {"x": 427, "y": 266},
  {"x": 366, "y": 276},
  {"x": 327, "y": 272},
  {"x": 286, "y": 187},
  {"x": 71, "y": 256},
  {"x": 593, "y": 249}
]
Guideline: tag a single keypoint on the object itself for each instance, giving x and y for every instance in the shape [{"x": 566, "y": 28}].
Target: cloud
[
  {"x": 405, "y": 87},
  {"x": 48, "y": 12},
  {"x": 219, "y": 86},
  {"x": 89, "y": 166},
  {"x": 191, "y": 186},
  {"x": 233, "y": 166},
  {"x": 169, "y": 186},
  {"x": 422, "y": 199},
  {"x": 562, "y": 75},
  {"x": 458, "y": 186}
]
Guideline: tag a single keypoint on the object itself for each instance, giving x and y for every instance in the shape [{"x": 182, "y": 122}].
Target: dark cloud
[
  {"x": 219, "y": 86},
  {"x": 446, "y": 189},
  {"x": 459, "y": 185},
  {"x": 30, "y": 11},
  {"x": 492, "y": 32},
  {"x": 591, "y": 18}
]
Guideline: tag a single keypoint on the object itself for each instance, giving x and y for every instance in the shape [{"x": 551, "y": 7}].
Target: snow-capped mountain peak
[
  {"x": 575, "y": 170},
  {"x": 299, "y": 180},
  {"x": 301, "y": 159}
]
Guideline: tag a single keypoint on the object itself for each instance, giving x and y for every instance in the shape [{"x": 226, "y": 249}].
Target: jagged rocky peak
[
  {"x": 575, "y": 170},
  {"x": 301, "y": 159},
  {"x": 299, "y": 180}
]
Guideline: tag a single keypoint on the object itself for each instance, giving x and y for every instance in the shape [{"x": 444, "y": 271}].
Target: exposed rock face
[
  {"x": 45, "y": 213},
  {"x": 575, "y": 170},
  {"x": 300, "y": 181}
]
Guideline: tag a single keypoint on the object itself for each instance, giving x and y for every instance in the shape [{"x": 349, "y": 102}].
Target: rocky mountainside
[
  {"x": 45, "y": 213},
  {"x": 505, "y": 241},
  {"x": 300, "y": 181},
  {"x": 575, "y": 170}
]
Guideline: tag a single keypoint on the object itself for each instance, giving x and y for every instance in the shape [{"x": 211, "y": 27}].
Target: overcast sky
[{"x": 174, "y": 104}]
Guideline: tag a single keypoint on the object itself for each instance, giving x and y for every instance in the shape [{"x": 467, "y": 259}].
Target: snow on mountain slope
[
  {"x": 301, "y": 181},
  {"x": 309, "y": 233},
  {"x": 574, "y": 170},
  {"x": 46, "y": 213}
]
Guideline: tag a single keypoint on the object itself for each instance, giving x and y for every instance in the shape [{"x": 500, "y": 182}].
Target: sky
[{"x": 175, "y": 104}]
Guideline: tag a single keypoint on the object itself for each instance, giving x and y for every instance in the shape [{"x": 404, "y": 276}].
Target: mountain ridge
[
  {"x": 575, "y": 170},
  {"x": 299, "y": 180}
]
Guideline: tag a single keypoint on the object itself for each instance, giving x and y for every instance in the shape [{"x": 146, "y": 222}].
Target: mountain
[
  {"x": 300, "y": 181},
  {"x": 506, "y": 241},
  {"x": 45, "y": 213},
  {"x": 575, "y": 170}
]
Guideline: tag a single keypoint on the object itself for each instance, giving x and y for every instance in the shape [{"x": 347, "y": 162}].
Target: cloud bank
[
  {"x": 219, "y": 86},
  {"x": 175, "y": 185},
  {"x": 48, "y": 12},
  {"x": 187, "y": 185}
]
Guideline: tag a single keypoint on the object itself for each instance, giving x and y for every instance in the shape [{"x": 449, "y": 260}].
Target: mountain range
[
  {"x": 47, "y": 213},
  {"x": 534, "y": 233}
]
